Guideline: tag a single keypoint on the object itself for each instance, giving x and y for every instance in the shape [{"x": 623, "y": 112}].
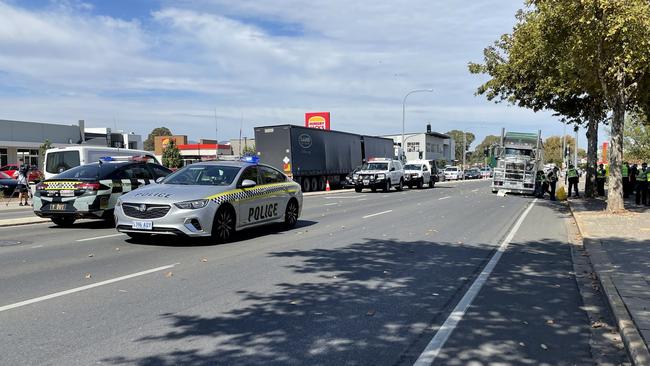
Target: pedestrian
[
  {"x": 633, "y": 173},
  {"x": 574, "y": 179},
  {"x": 552, "y": 182},
  {"x": 642, "y": 185},
  {"x": 601, "y": 175},
  {"x": 625, "y": 172},
  {"x": 22, "y": 185}
]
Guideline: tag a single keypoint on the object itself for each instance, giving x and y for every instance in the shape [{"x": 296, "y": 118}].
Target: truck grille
[
  {"x": 150, "y": 211},
  {"x": 515, "y": 166}
]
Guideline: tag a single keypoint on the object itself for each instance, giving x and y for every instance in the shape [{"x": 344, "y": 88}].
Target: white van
[{"x": 58, "y": 160}]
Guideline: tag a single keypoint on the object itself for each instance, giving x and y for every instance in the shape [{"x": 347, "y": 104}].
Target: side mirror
[
  {"x": 247, "y": 183},
  {"x": 159, "y": 179},
  {"x": 392, "y": 169}
]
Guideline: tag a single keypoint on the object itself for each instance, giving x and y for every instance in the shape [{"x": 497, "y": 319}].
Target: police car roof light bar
[{"x": 250, "y": 159}]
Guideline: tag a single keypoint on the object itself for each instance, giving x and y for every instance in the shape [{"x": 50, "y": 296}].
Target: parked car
[
  {"x": 453, "y": 173},
  {"x": 380, "y": 174},
  {"x": 486, "y": 172},
  {"x": 7, "y": 184},
  {"x": 417, "y": 174},
  {"x": 35, "y": 175},
  {"x": 472, "y": 173}
]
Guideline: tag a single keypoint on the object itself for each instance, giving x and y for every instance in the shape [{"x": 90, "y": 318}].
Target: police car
[
  {"x": 91, "y": 191},
  {"x": 211, "y": 199}
]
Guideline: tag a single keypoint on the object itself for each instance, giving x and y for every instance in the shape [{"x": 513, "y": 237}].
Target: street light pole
[{"x": 404, "y": 112}]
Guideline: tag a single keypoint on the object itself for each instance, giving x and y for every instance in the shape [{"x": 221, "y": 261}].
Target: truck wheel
[
  {"x": 387, "y": 185},
  {"x": 314, "y": 184},
  {"x": 223, "y": 226},
  {"x": 63, "y": 221},
  {"x": 322, "y": 182},
  {"x": 358, "y": 189},
  {"x": 305, "y": 185}
]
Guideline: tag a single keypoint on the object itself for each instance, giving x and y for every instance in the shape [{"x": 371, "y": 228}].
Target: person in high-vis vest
[
  {"x": 574, "y": 179},
  {"x": 601, "y": 176},
  {"x": 552, "y": 181},
  {"x": 625, "y": 172},
  {"x": 642, "y": 185}
]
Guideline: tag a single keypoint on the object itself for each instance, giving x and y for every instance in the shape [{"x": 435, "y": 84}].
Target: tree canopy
[
  {"x": 158, "y": 131},
  {"x": 171, "y": 157},
  {"x": 457, "y": 135}
]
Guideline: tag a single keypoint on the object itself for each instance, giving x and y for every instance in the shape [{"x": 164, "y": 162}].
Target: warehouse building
[{"x": 427, "y": 145}]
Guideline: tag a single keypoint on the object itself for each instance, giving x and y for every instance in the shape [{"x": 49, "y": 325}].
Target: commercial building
[
  {"x": 427, "y": 145},
  {"x": 103, "y": 136},
  {"x": 203, "y": 150}
]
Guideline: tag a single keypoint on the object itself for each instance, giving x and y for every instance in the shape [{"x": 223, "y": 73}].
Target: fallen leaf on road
[
  {"x": 293, "y": 302},
  {"x": 88, "y": 275},
  {"x": 544, "y": 347},
  {"x": 550, "y": 322},
  {"x": 169, "y": 274},
  {"x": 91, "y": 255},
  {"x": 204, "y": 260},
  {"x": 117, "y": 249},
  {"x": 525, "y": 322},
  {"x": 596, "y": 325},
  {"x": 122, "y": 290},
  {"x": 371, "y": 312},
  {"x": 522, "y": 344}
]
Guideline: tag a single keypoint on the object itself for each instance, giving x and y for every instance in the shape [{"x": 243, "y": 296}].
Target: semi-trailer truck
[
  {"x": 519, "y": 157},
  {"x": 313, "y": 157}
]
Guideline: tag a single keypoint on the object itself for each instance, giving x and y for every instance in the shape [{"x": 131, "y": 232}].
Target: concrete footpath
[
  {"x": 619, "y": 249},
  {"x": 11, "y": 213}
]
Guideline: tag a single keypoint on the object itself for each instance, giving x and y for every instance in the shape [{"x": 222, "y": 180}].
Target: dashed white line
[
  {"x": 101, "y": 237},
  {"x": 434, "y": 347},
  {"x": 331, "y": 204},
  {"x": 474, "y": 190},
  {"x": 377, "y": 214},
  {"x": 443, "y": 198},
  {"x": 83, "y": 288}
]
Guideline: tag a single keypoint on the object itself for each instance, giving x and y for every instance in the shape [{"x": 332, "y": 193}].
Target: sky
[{"x": 204, "y": 68}]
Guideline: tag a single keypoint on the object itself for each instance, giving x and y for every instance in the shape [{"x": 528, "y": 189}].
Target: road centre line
[
  {"x": 377, "y": 214},
  {"x": 438, "y": 341},
  {"x": 331, "y": 204},
  {"x": 443, "y": 198},
  {"x": 474, "y": 190},
  {"x": 83, "y": 288},
  {"x": 102, "y": 237}
]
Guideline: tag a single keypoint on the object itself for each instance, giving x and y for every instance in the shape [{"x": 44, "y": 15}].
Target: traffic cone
[{"x": 327, "y": 186}]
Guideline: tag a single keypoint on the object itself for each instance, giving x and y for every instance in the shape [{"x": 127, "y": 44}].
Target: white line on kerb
[
  {"x": 443, "y": 198},
  {"x": 377, "y": 214},
  {"x": 102, "y": 237},
  {"x": 438, "y": 341},
  {"x": 83, "y": 288}
]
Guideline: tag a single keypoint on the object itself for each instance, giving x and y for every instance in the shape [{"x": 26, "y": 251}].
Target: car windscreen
[
  {"x": 204, "y": 175},
  {"x": 61, "y": 161},
  {"x": 451, "y": 169},
  {"x": 90, "y": 171},
  {"x": 375, "y": 166},
  {"x": 412, "y": 167}
]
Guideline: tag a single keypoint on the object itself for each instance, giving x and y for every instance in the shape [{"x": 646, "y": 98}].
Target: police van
[
  {"x": 91, "y": 191},
  {"x": 58, "y": 160}
]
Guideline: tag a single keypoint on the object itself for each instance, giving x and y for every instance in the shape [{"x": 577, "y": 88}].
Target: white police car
[{"x": 211, "y": 199}]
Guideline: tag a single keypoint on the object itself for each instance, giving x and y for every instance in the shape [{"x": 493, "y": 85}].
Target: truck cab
[
  {"x": 379, "y": 174},
  {"x": 519, "y": 157}
]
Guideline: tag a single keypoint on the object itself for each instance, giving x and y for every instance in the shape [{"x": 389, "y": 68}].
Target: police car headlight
[
  {"x": 191, "y": 205},
  {"x": 381, "y": 176}
]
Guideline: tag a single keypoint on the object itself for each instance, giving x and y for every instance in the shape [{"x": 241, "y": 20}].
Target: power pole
[
  {"x": 575, "y": 153},
  {"x": 464, "y": 152}
]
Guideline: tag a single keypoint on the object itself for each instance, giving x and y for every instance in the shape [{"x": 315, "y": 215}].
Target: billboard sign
[{"x": 319, "y": 120}]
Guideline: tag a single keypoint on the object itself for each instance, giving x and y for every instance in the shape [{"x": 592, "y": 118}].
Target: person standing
[
  {"x": 625, "y": 171},
  {"x": 601, "y": 175},
  {"x": 574, "y": 179},
  {"x": 552, "y": 182},
  {"x": 642, "y": 185},
  {"x": 22, "y": 186},
  {"x": 633, "y": 173}
]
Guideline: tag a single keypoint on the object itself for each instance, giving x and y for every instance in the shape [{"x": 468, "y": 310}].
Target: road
[{"x": 365, "y": 279}]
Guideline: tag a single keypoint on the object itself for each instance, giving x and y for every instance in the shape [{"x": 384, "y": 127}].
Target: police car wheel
[
  {"x": 63, "y": 221},
  {"x": 291, "y": 214},
  {"x": 223, "y": 227},
  {"x": 420, "y": 184}
]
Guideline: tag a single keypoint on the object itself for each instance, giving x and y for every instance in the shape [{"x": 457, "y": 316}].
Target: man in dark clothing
[
  {"x": 625, "y": 173},
  {"x": 552, "y": 182},
  {"x": 642, "y": 185},
  {"x": 601, "y": 175},
  {"x": 574, "y": 179},
  {"x": 633, "y": 173}
]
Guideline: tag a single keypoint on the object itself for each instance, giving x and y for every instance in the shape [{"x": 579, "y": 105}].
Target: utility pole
[
  {"x": 564, "y": 149},
  {"x": 464, "y": 152},
  {"x": 575, "y": 153}
]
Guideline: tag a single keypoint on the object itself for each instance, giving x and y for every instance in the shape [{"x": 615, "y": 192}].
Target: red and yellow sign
[{"x": 320, "y": 120}]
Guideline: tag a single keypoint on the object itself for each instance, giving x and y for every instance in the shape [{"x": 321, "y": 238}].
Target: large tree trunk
[
  {"x": 592, "y": 157},
  {"x": 615, "y": 201}
]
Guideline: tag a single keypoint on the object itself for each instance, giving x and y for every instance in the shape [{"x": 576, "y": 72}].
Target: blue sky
[{"x": 141, "y": 64}]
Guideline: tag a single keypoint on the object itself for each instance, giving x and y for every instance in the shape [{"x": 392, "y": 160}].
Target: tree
[
  {"x": 480, "y": 149},
  {"x": 636, "y": 144},
  {"x": 458, "y": 140},
  {"x": 171, "y": 157},
  {"x": 580, "y": 59},
  {"x": 249, "y": 150},
  {"x": 158, "y": 131}
]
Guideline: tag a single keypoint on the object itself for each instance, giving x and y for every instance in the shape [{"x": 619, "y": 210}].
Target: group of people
[
  {"x": 635, "y": 181},
  {"x": 546, "y": 183}
]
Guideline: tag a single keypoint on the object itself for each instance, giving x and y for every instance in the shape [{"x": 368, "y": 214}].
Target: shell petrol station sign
[{"x": 319, "y": 120}]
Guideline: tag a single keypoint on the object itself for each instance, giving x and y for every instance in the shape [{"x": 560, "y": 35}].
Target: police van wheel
[
  {"x": 400, "y": 186},
  {"x": 63, "y": 221},
  {"x": 387, "y": 185},
  {"x": 358, "y": 189},
  {"x": 432, "y": 183},
  {"x": 420, "y": 184},
  {"x": 291, "y": 214},
  {"x": 223, "y": 227}
]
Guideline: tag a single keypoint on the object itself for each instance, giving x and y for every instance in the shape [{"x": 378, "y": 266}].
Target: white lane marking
[
  {"x": 443, "y": 198},
  {"x": 362, "y": 199},
  {"x": 102, "y": 237},
  {"x": 377, "y": 214},
  {"x": 36, "y": 246},
  {"x": 474, "y": 190},
  {"x": 343, "y": 197},
  {"x": 438, "y": 341},
  {"x": 331, "y": 204},
  {"x": 83, "y": 288}
]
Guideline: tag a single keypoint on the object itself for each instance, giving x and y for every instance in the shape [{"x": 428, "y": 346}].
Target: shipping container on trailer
[{"x": 313, "y": 157}]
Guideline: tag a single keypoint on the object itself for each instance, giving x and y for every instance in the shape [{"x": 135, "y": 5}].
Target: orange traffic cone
[{"x": 327, "y": 186}]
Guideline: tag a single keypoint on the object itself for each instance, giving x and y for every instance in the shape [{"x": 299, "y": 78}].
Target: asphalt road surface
[{"x": 365, "y": 279}]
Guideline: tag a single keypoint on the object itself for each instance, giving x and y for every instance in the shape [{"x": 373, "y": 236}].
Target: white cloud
[{"x": 355, "y": 59}]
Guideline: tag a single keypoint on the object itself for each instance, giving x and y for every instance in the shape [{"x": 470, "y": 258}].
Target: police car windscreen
[
  {"x": 375, "y": 166},
  {"x": 205, "y": 175},
  {"x": 91, "y": 171}
]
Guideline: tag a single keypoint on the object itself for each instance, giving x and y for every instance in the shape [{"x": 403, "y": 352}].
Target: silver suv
[{"x": 379, "y": 174}]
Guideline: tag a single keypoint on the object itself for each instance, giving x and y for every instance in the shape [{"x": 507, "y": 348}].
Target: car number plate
[
  {"x": 66, "y": 193},
  {"x": 366, "y": 182},
  {"x": 142, "y": 225},
  {"x": 57, "y": 206}
]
